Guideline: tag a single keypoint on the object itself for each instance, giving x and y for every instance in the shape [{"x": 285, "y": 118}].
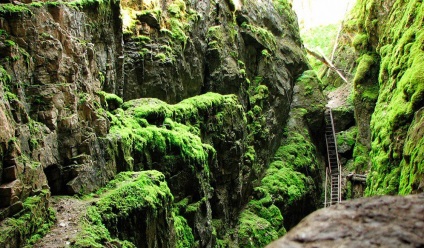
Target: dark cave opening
[{"x": 54, "y": 179}]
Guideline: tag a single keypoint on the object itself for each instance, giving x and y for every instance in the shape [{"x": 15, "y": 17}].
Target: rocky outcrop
[
  {"x": 94, "y": 94},
  {"x": 136, "y": 208},
  {"x": 51, "y": 67},
  {"x": 381, "y": 40},
  {"x": 287, "y": 191},
  {"x": 384, "y": 221}
]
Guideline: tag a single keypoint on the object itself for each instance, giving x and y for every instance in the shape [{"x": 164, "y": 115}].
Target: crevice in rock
[{"x": 54, "y": 179}]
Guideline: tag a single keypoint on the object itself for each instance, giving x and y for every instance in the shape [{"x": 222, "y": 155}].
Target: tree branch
[{"x": 321, "y": 57}]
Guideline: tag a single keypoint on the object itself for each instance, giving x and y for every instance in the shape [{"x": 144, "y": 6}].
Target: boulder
[{"x": 384, "y": 221}]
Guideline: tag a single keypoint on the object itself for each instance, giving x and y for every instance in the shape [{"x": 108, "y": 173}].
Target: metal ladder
[{"x": 333, "y": 170}]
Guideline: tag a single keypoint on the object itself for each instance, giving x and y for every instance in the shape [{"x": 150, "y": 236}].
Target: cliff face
[
  {"x": 94, "y": 88},
  {"x": 383, "y": 41}
]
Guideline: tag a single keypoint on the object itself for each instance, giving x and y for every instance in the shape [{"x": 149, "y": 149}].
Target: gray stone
[{"x": 384, "y": 221}]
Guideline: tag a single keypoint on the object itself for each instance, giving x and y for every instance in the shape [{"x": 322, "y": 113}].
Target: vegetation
[
  {"x": 10, "y": 9},
  {"x": 265, "y": 36},
  {"x": 402, "y": 83},
  {"x": 321, "y": 38},
  {"x": 291, "y": 175},
  {"x": 125, "y": 196},
  {"x": 31, "y": 223}
]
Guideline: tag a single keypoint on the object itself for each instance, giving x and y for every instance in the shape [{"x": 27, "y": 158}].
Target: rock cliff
[
  {"x": 198, "y": 90},
  {"x": 380, "y": 51}
]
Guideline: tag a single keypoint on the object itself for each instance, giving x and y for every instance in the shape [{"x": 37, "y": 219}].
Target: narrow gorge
[{"x": 183, "y": 123}]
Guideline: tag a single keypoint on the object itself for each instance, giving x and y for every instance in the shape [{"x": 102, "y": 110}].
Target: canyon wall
[{"x": 196, "y": 92}]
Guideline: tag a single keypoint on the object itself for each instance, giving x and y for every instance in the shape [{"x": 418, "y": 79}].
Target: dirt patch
[
  {"x": 338, "y": 97},
  {"x": 68, "y": 213}
]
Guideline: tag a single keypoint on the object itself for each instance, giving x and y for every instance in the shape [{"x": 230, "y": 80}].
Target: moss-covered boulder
[{"x": 133, "y": 210}]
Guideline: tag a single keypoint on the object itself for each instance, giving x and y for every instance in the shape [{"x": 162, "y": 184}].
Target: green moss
[
  {"x": 364, "y": 64},
  {"x": 142, "y": 38},
  {"x": 11, "y": 9},
  {"x": 129, "y": 193},
  {"x": 255, "y": 231},
  {"x": 264, "y": 36},
  {"x": 183, "y": 232},
  {"x": 31, "y": 223},
  {"x": 360, "y": 42},
  {"x": 161, "y": 57},
  {"x": 348, "y": 137},
  {"x": 401, "y": 95},
  {"x": 110, "y": 101},
  {"x": 361, "y": 155},
  {"x": 85, "y": 3},
  {"x": 155, "y": 127},
  {"x": 216, "y": 37},
  {"x": 148, "y": 189},
  {"x": 4, "y": 78},
  {"x": 286, "y": 181},
  {"x": 412, "y": 164}
]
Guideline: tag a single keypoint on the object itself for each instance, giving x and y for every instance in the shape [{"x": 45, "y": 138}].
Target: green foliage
[
  {"x": 11, "y": 9},
  {"x": 320, "y": 38}
]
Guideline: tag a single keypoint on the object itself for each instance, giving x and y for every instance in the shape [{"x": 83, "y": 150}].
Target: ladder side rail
[
  {"x": 327, "y": 173},
  {"x": 337, "y": 157}
]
